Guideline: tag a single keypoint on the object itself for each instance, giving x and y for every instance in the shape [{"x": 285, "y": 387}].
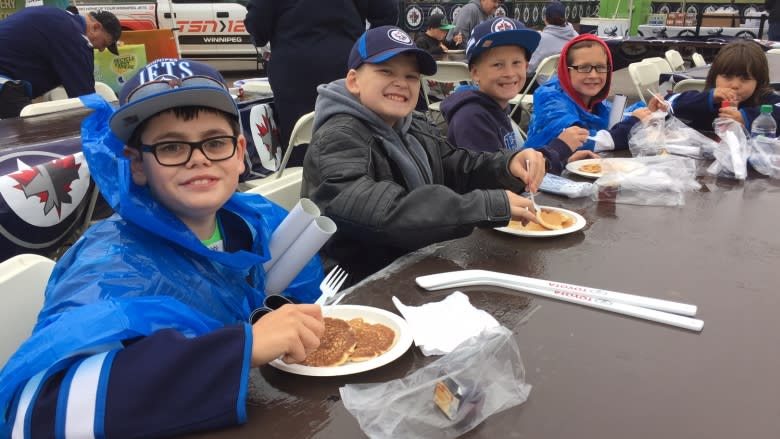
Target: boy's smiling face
[
  {"x": 588, "y": 85},
  {"x": 389, "y": 89},
  {"x": 196, "y": 190},
  {"x": 500, "y": 72}
]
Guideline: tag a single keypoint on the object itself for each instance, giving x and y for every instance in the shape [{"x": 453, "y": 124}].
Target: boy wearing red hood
[{"x": 577, "y": 96}]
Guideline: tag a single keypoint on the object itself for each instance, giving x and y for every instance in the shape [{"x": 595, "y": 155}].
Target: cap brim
[
  {"x": 113, "y": 49},
  {"x": 447, "y": 27},
  {"x": 129, "y": 116},
  {"x": 425, "y": 61},
  {"x": 527, "y": 39}
]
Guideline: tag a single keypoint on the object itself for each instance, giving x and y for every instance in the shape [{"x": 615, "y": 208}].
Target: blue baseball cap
[
  {"x": 380, "y": 44},
  {"x": 555, "y": 10},
  {"x": 500, "y": 31},
  {"x": 169, "y": 83}
]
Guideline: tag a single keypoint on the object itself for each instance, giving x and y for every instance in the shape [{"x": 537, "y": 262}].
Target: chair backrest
[
  {"x": 301, "y": 135},
  {"x": 675, "y": 60},
  {"x": 284, "y": 191},
  {"x": 46, "y": 107},
  {"x": 698, "y": 60},
  {"x": 106, "y": 91},
  {"x": 546, "y": 69},
  {"x": 660, "y": 63},
  {"x": 448, "y": 74},
  {"x": 689, "y": 84},
  {"x": 644, "y": 76},
  {"x": 773, "y": 51},
  {"x": 23, "y": 279},
  {"x": 101, "y": 88}
]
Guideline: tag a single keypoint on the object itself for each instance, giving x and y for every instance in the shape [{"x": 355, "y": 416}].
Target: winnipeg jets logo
[
  {"x": 45, "y": 194},
  {"x": 502, "y": 25},
  {"x": 399, "y": 36}
]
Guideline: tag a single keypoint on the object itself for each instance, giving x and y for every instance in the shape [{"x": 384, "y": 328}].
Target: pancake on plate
[
  {"x": 373, "y": 340},
  {"x": 336, "y": 345},
  {"x": 553, "y": 219},
  {"x": 591, "y": 168}
]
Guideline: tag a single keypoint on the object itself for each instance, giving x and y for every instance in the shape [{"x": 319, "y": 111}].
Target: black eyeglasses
[
  {"x": 587, "y": 68},
  {"x": 177, "y": 153},
  {"x": 161, "y": 85}
]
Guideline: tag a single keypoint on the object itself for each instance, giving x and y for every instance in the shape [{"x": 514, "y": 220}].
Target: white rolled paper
[
  {"x": 616, "y": 113},
  {"x": 290, "y": 229},
  {"x": 298, "y": 254}
]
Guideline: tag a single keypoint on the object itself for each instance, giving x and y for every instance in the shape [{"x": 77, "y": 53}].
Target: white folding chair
[
  {"x": 101, "y": 88},
  {"x": 525, "y": 100},
  {"x": 661, "y": 64},
  {"x": 23, "y": 279},
  {"x": 448, "y": 75},
  {"x": 689, "y": 84},
  {"x": 773, "y": 51},
  {"x": 46, "y": 107},
  {"x": 698, "y": 60},
  {"x": 284, "y": 191},
  {"x": 675, "y": 60},
  {"x": 644, "y": 76}
]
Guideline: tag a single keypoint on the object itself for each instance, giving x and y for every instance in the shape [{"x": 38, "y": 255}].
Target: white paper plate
[
  {"x": 455, "y": 51},
  {"x": 579, "y": 223},
  {"x": 371, "y": 315},
  {"x": 574, "y": 167}
]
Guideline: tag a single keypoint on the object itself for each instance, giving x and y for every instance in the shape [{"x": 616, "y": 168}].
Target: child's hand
[
  {"x": 517, "y": 168},
  {"x": 583, "y": 155},
  {"x": 444, "y": 48},
  {"x": 724, "y": 94},
  {"x": 458, "y": 38},
  {"x": 574, "y": 136},
  {"x": 732, "y": 113},
  {"x": 521, "y": 208},
  {"x": 643, "y": 114},
  {"x": 654, "y": 104},
  {"x": 290, "y": 332}
]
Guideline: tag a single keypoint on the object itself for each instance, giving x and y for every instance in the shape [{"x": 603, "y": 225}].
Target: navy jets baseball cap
[
  {"x": 555, "y": 10},
  {"x": 500, "y": 31},
  {"x": 380, "y": 44},
  {"x": 169, "y": 83}
]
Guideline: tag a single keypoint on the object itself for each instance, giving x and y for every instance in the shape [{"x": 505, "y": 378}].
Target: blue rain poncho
[{"x": 143, "y": 270}]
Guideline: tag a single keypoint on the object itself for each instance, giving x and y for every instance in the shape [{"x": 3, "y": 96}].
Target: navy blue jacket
[
  {"x": 310, "y": 45},
  {"x": 47, "y": 47},
  {"x": 476, "y": 121},
  {"x": 698, "y": 109}
]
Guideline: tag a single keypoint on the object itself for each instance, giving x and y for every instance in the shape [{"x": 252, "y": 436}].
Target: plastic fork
[
  {"x": 331, "y": 284},
  {"x": 536, "y": 206}
]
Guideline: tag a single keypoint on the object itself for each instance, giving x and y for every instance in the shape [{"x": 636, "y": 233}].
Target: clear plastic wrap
[
  {"x": 485, "y": 375},
  {"x": 731, "y": 153},
  {"x": 652, "y": 181},
  {"x": 663, "y": 134},
  {"x": 765, "y": 156},
  {"x": 555, "y": 184}
]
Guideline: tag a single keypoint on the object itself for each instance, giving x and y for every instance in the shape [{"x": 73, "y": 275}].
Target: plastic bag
[
  {"x": 765, "y": 156},
  {"x": 487, "y": 368},
  {"x": 651, "y": 181},
  {"x": 663, "y": 134},
  {"x": 732, "y": 152}
]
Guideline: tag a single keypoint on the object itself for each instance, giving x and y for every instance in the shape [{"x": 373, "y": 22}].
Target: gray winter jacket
[
  {"x": 552, "y": 41},
  {"x": 357, "y": 170},
  {"x": 470, "y": 15}
]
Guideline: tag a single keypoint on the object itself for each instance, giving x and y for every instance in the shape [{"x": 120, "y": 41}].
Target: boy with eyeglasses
[
  {"x": 576, "y": 97},
  {"x": 144, "y": 329}
]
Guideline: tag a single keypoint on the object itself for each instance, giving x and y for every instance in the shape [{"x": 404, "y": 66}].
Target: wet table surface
[{"x": 596, "y": 374}]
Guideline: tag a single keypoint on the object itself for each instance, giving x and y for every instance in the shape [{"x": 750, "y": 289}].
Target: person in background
[
  {"x": 576, "y": 97},
  {"x": 160, "y": 293},
  {"x": 773, "y": 7},
  {"x": 479, "y": 120},
  {"x": 44, "y": 47},
  {"x": 310, "y": 42},
  {"x": 72, "y": 9},
  {"x": 432, "y": 40},
  {"x": 383, "y": 174},
  {"x": 557, "y": 32},
  {"x": 470, "y": 15},
  {"x": 739, "y": 74}
]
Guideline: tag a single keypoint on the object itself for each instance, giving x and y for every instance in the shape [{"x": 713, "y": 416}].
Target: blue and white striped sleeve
[{"x": 161, "y": 385}]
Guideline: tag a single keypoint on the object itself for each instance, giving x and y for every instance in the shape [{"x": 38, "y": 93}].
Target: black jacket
[{"x": 349, "y": 175}]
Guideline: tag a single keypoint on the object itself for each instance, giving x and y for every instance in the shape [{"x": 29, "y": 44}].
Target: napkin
[{"x": 438, "y": 327}]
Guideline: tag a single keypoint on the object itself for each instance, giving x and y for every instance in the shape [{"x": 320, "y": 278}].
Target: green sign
[{"x": 8, "y": 7}]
